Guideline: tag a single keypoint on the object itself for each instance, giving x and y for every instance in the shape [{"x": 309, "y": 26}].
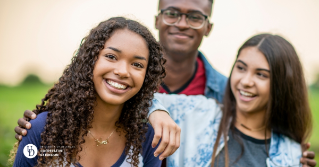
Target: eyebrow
[
  {"x": 118, "y": 50},
  {"x": 262, "y": 69},
  {"x": 241, "y": 62},
  {"x": 115, "y": 49},
  {"x": 258, "y": 69},
  {"x": 188, "y": 11},
  {"x": 140, "y": 57}
]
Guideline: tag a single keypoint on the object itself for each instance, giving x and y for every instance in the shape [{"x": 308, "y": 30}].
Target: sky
[{"x": 40, "y": 37}]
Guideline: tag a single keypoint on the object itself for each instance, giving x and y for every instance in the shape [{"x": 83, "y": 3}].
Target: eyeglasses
[{"x": 195, "y": 20}]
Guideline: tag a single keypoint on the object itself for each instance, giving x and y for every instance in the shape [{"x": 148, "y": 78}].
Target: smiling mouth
[
  {"x": 179, "y": 35},
  {"x": 116, "y": 85},
  {"x": 246, "y": 94}
]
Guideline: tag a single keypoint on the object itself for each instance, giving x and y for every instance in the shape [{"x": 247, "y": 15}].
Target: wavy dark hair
[
  {"x": 75, "y": 92},
  {"x": 288, "y": 110}
]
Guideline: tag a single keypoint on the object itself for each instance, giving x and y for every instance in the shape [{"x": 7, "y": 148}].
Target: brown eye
[
  {"x": 139, "y": 65},
  {"x": 240, "y": 68},
  {"x": 171, "y": 13},
  {"x": 262, "y": 75},
  {"x": 110, "y": 56}
]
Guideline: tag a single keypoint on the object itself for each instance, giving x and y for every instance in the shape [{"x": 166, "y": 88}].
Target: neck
[
  {"x": 105, "y": 117},
  {"x": 179, "y": 69},
  {"x": 252, "y": 124}
]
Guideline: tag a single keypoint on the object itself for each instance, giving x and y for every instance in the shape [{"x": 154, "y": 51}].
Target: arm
[
  {"x": 164, "y": 128},
  {"x": 23, "y": 124},
  {"x": 196, "y": 116},
  {"x": 180, "y": 107}
]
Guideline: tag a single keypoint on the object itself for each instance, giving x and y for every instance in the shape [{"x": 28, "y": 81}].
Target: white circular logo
[{"x": 30, "y": 151}]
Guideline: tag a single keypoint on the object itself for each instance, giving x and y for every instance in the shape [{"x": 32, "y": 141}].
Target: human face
[
  {"x": 250, "y": 81},
  {"x": 180, "y": 38},
  {"x": 120, "y": 69}
]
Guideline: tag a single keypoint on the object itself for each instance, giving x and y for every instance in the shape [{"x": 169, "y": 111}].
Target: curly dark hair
[{"x": 75, "y": 92}]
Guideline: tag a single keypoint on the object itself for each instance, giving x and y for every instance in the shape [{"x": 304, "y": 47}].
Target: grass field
[
  {"x": 314, "y": 104},
  {"x": 14, "y": 100}
]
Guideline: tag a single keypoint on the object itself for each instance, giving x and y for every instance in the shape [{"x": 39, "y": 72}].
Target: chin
[
  {"x": 114, "y": 101},
  {"x": 178, "y": 47},
  {"x": 180, "y": 50},
  {"x": 245, "y": 109},
  {"x": 248, "y": 110}
]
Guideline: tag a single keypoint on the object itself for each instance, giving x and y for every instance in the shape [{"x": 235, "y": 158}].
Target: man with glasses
[{"x": 182, "y": 24}]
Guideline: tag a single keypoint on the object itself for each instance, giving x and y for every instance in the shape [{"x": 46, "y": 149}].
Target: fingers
[
  {"x": 18, "y": 137},
  {"x": 308, "y": 158},
  {"x": 305, "y": 146},
  {"x": 164, "y": 142},
  {"x": 166, "y": 130},
  {"x": 308, "y": 154},
  {"x": 29, "y": 114},
  {"x": 303, "y": 161},
  {"x": 170, "y": 146},
  {"x": 178, "y": 140},
  {"x": 173, "y": 144},
  {"x": 311, "y": 162},
  {"x": 157, "y": 135},
  {"x": 20, "y": 131},
  {"x": 24, "y": 124},
  {"x": 307, "y": 162}
]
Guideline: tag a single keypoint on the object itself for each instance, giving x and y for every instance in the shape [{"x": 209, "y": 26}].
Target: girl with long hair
[
  {"x": 265, "y": 105},
  {"x": 96, "y": 114},
  {"x": 264, "y": 118}
]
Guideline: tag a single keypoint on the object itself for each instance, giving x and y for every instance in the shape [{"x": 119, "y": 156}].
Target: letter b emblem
[{"x": 30, "y": 151}]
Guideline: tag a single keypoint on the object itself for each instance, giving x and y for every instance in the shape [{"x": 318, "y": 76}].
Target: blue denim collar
[
  {"x": 211, "y": 73},
  {"x": 283, "y": 151}
]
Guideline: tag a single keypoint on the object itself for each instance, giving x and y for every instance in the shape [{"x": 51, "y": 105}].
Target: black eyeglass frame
[{"x": 180, "y": 16}]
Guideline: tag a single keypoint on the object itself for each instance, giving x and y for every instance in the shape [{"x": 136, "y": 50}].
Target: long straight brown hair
[{"x": 288, "y": 110}]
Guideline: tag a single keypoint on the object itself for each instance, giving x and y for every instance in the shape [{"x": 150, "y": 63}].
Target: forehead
[
  {"x": 253, "y": 58},
  {"x": 204, "y": 6},
  {"x": 128, "y": 42}
]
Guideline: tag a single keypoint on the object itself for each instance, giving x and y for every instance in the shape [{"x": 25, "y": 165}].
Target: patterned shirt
[{"x": 199, "y": 118}]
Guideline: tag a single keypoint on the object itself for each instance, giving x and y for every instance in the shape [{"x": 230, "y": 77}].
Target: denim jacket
[
  {"x": 199, "y": 118},
  {"x": 215, "y": 81}
]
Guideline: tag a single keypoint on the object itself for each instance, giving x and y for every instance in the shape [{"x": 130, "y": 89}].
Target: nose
[
  {"x": 122, "y": 70},
  {"x": 247, "y": 80},
  {"x": 182, "y": 22}
]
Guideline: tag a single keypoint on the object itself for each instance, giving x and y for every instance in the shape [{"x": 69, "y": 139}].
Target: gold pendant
[{"x": 98, "y": 142}]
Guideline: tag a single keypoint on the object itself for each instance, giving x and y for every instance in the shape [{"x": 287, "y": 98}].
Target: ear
[
  {"x": 156, "y": 22},
  {"x": 209, "y": 28}
]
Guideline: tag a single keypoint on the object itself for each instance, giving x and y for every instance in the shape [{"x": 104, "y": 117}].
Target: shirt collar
[{"x": 211, "y": 74}]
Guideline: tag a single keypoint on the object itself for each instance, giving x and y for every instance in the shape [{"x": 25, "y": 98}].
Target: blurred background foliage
[{"x": 15, "y": 100}]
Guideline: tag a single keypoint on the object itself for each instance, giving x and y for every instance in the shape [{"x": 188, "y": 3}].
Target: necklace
[
  {"x": 98, "y": 142},
  {"x": 253, "y": 130}
]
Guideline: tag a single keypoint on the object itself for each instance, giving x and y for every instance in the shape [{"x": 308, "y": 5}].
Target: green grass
[
  {"x": 14, "y": 100},
  {"x": 314, "y": 105}
]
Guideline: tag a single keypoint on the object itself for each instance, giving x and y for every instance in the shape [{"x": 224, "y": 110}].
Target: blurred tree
[{"x": 32, "y": 79}]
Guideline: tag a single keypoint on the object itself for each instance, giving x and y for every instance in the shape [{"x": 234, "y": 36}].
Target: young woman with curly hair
[{"x": 97, "y": 112}]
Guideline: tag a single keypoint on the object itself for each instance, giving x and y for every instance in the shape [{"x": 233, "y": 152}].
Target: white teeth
[
  {"x": 116, "y": 85},
  {"x": 246, "y": 93}
]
